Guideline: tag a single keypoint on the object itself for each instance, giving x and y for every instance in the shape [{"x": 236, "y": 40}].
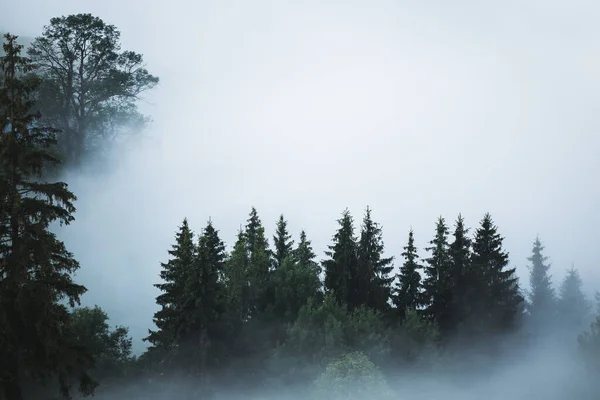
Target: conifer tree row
[
  {"x": 243, "y": 314},
  {"x": 256, "y": 306}
]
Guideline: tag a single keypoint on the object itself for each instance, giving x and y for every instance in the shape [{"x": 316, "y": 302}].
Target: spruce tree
[
  {"x": 573, "y": 304},
  {"x": 259, "y": 257},
  {"x": 36, "y": 284},
  {"x": 304, "y": 255},
  {"x": 464, "y": 279},
  {"x": 236, "y": 282},
  {"x": 437, "y": 284},
  {"x": 542, "y": 297},
  {"x": 497, "y": 299},
  {"x": 282, "y": 242},
  {"x": 408, "y": 293},
  {"x": 204, "y": 302},
  {"x": 305, "y": 259},
  {"x": 174, "y": 275},
  {"x": 372, "y": 282},
  {"x": 294, "y": 283},
  {"x": 341, "y": 265}
]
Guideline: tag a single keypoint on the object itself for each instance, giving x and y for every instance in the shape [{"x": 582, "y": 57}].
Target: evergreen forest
[{"x": 263, "y": 314}]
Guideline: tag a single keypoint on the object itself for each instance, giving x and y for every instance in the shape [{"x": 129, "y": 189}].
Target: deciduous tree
[{"x": 90, "y": 87}]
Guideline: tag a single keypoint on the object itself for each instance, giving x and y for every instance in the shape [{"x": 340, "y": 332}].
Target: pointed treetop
[
  {"x": 304, "y": 254},
  {"x": 282, "y": 241},
  {"x": 542, "y": 295},
  {"x": 408, "y": 288}
]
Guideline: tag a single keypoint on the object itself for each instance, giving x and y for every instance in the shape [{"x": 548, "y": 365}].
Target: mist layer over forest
[{"x": 463, "y": 136}]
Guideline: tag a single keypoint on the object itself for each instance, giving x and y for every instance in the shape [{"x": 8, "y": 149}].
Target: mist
[{"x": 414, "y": 109}]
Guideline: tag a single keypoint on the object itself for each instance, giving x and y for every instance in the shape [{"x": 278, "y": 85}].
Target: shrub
[{"x": 352, "y": 376}]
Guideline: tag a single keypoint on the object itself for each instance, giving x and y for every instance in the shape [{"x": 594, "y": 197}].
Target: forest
[{"x": 269, "y": 316}]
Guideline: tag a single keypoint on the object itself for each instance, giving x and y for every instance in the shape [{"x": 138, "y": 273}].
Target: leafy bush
[
  {"x": 352, "y": 376},
  {"x": 323, "y": 332},
  {"x": 414, "y": 341}
]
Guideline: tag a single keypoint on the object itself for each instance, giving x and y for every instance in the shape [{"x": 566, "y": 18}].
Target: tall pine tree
[
  {"x": 341, "y": 265},
  {"x": 294, "y": 284},
  {"x": 282, "y": 242},
  {"x": 542, "y": 297},
  {"x": 259, "y": 257},
  {"x": 372, "y": 282},
  {"x": 408, "y": 293},
  {"x": 35, "y": 267},
  {"x": 204, "y": 303},
  {"x": 236, "y": 282},
  {"x": 463, "y": 278},
  {"x": 174, "y": 275},
  {"x": 437, "y": 283},
  {"x": 304, "y": 255},
  {"x": 573, "y": 306},
  {"x": 498, "y": 301}
]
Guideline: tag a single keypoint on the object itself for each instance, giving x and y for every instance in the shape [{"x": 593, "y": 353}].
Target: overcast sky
[{"x": 415, "y": 108}]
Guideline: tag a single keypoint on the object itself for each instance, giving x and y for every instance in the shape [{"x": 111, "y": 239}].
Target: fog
[
  {"x": 416, "y": 109},
  {"x": 546, "y": 371}
]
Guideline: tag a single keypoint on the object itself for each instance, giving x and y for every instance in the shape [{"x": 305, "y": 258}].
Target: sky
[{"x": 416, "y": 109}]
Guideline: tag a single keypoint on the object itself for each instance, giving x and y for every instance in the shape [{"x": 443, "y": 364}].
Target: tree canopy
[{"x": 89, "y": 86}]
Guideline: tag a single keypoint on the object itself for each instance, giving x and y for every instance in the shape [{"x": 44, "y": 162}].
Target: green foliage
[
  {"x": 236, "y": 281},
  {"x": 304, "y": 254},
  {"x": 542, "y": 298},
  {"x": 371, "y": 282},
  {"x": 259, "y": 257},
  {"x": 341, "y": 266},
  {"x": 110, "y": 349},
  {"x": 35, "y": 267},
  {"x": 293, "y": 284},
  {"x": 328, "y": 330},
  {"x": 414, "y": 341},
  {"x": 589, "y": 346},
  {"x": 200, "y": 332},
  {"x": 174, "y": 275},
  {"x": 463, "y": 278},
  {"x": 408, "y": 293},
  {"x": 218, "y": 313},
  {"x": 24, "y": 41},
  {"x": 89, "y": 86},
  {"x": 437, "y": 283},
  {"x": 573, "y": 306},
  {"x": 282, "y": 242},
  {"x": 497, "y": 301},
  {"x": 352, "y": 376}
]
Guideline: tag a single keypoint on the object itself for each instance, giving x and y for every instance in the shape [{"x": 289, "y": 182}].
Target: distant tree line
[
  {"x": 266, "y": 313},
  {"x": 262, "y": 305}
]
